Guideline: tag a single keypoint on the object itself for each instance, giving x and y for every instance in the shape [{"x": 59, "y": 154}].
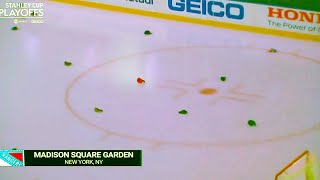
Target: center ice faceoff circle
[{"x": 279, "y": 91}]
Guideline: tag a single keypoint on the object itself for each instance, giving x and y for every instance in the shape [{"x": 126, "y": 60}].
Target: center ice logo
[
  {"x": 234, "y": 93},
  {"x": 186, "y": 78}
]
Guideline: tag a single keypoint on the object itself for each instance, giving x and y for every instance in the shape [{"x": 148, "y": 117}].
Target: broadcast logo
[{"x": 11, "y": 158}]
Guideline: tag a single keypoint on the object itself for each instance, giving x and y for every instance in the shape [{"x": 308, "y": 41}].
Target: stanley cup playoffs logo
[{"x": 21, "y": 10}]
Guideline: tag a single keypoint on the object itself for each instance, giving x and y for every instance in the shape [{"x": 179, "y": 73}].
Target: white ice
[{"x": 45, "y": 105}]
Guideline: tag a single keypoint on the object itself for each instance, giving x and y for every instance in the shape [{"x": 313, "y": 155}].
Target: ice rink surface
[{"x": 46, "y": 105}]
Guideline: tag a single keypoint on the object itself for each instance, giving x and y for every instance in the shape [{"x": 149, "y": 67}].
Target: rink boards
[{"x": 263, "y": 19}]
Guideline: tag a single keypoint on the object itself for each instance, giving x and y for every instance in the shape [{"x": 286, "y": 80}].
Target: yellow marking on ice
[{"x": 208, "y": 91}]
